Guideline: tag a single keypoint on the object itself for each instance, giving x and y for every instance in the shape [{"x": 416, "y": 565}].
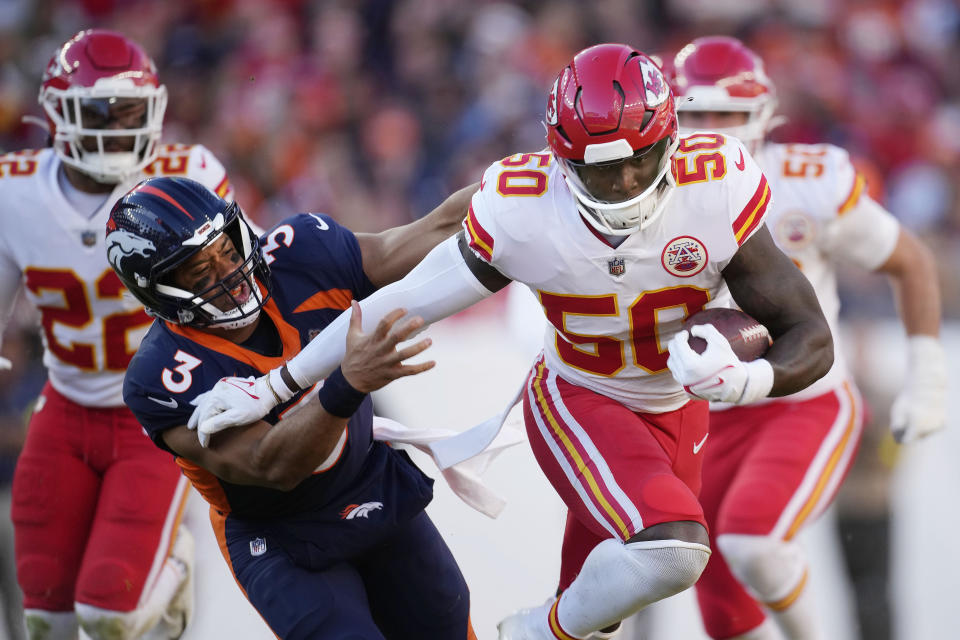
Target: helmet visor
[
  {"x": 618, "y": 181},
  {"x": 101, "y": 113}
]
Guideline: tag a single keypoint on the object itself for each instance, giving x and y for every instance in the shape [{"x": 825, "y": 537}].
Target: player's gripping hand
[
  {"x": 231, "y": 402},
  {"x": 5, "y": 364},
  {"x": 920, "y": 408},
  {"x": 717, "y": 374},
  {"x": 371, "y": 361}
]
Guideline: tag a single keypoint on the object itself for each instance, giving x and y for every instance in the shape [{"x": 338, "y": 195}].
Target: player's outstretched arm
[
  {"x": 920, "y": 407},
  {"x": 285, "y": 454},
  {"x": 391, "y": 254},
  {"x": 768, "y": 286},
  {"x": 441, "y": 285}
]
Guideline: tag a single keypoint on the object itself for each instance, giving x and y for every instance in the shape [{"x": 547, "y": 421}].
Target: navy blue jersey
[{"x": 315, "y": 270}]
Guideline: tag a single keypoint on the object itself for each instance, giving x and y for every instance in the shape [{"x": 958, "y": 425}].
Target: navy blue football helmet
[{"x": 161, "y": 223}]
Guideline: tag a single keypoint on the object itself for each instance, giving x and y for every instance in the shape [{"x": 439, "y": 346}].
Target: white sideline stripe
[{"x": 845, "y": 413}]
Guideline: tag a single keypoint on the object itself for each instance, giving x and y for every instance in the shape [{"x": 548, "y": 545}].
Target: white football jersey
[
  {"x": 91, "y": 327},
  {"x": 819, "y": 220},
  {"x": 611, "y": 311}
]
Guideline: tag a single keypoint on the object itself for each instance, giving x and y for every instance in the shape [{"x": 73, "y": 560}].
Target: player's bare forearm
[
  {"x": 769, "y": 287},
  {"x": 391, "y": 254},
  {"x": 913, "y": 276},
  {"x": 279, "y": 456}
]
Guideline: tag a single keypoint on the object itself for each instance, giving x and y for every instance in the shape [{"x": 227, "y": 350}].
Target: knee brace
[
  {"x": 770, "y": 568},
  {"x": 50, "y": 625},
  {"x": 617, "y": 580}
]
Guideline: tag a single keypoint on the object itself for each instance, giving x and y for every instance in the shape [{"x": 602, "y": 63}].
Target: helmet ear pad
[
  {"x": 609, "y": 104},
  {"x": 164, "y": 222}
]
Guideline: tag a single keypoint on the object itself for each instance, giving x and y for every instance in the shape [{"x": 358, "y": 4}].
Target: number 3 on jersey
[{"x": 604, "y": 355}]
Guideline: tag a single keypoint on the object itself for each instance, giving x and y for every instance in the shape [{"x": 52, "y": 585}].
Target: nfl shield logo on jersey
[
  {"x": 258, "y": 546},
  {"x": 617, "y": 266},
  {"x": 88, "y": 238}
]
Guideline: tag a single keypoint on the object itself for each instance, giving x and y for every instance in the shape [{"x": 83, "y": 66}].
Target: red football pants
[
  {"x": 94, "y": 506},
  {"x": 769, "y": 470},
  {"x": 618, "y": 471}
]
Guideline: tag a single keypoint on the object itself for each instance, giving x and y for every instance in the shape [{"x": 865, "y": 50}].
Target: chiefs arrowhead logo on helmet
[
  {"x": 654, "y": 83},
  {"x": 551, "y": 116}
]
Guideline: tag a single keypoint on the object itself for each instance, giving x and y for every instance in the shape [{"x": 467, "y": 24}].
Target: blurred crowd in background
[{"x": 374, "y": 110}]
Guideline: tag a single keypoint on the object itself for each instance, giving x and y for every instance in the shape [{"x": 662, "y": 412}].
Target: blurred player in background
[
  {"x": 323, "y": 527},
  {"x": 619, "y": 253},
  {"x": 772, "y": 467},
  {"x": 96, "y": 507}
]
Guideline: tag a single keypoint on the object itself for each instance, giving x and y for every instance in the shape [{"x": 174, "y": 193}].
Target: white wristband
[
  {"x": 922, "y": 349},
  {"x": 759, "y": 381},
  {"x": 281, "y": 392},
  {"x": 926, "y": 362}
]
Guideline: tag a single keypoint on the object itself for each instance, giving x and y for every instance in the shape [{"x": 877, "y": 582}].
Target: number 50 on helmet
[{"x": 612, "y": 126}]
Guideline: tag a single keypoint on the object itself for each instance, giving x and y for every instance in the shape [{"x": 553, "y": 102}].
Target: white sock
[
  {"x": 766, "y": 631},
  {"x": 50, "y": 625},
  {"x": 617, "y": 580},
  {"x": 797, "y": 618},
  {"x": 775, "y": 573},
  {"x": 104, "y": 624}
]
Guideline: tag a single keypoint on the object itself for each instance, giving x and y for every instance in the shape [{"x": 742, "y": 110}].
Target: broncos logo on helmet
[
  {"x": 160, "y": 224},
  {"x": 121, "y": 244}
]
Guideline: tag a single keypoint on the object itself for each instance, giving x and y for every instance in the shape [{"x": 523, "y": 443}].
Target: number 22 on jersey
[{"x": 74, "y": 311}]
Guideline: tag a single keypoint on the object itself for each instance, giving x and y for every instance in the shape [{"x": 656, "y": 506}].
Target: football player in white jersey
[
  {"x": 96, "y": 506},
  {"x": 622, "y": 229},
  {"x": 773, "y": 467}
]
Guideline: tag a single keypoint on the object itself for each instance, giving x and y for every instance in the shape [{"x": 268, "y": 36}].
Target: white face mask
[
  {"x": 64, "y": 108},
  {"x": 631, "y": 215}
]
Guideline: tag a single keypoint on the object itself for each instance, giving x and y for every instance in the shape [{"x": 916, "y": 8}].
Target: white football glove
[
  {"x": 717, "y": 374},
  {"x": 920, "y": 407},
  {"x": 236, "y": 401},
  {"x": 5, "y": 364}
]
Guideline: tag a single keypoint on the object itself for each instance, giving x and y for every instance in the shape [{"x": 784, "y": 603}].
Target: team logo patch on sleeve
[
  {"x": 794, "y": 231},
  {"x": 684, "y": 256},
  {"x": 352, "y": 511}
]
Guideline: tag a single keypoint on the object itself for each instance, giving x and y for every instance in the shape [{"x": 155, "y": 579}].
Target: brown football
[{"x": 748, "y": 338}]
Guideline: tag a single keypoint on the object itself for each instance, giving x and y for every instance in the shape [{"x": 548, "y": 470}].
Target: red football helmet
[
  {"x": 720, "y": 74},
  {"x": 101, "y": 88},
  {"x": 610, "y": 113}
]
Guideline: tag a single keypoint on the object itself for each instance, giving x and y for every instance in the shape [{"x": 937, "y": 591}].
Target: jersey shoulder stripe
[
  {"x": 859, "y": 183},
  {"x": 288, "y": 335},
  {"x": 480, "y": 241},
  {"x": 752, "y": 214},
  {"x": 327, "y": 299},
  {"x": 224, "y": 187}
]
